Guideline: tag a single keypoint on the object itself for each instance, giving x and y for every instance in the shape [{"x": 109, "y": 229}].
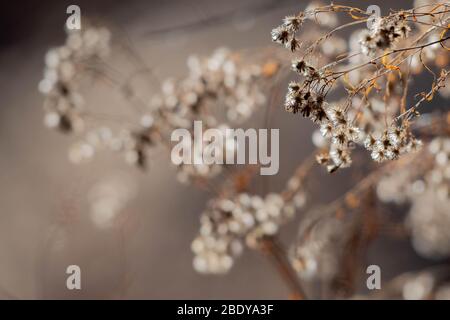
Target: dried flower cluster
[
  {"x": 384, "y": 32},
  {"x": 226, "y": 222},
  {"x": 427, "y": 189},
  {"x": 221, "y": 83},
  {"x": 372, "y": 68},
  {"x": 64, "y": 64},
  {"x": 384, "y": 132},
  {"x": 218, "y": 83}
]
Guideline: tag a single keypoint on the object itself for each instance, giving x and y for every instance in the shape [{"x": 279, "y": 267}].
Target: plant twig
[{"x": 276, "y": 254}]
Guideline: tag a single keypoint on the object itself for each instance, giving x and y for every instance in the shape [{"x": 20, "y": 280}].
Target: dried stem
[{"x": 277, "y": 255}]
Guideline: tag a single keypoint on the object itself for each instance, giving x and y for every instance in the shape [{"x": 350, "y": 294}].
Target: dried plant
[
  {"x": 375, "y": 107},
  {"x": 375, "y": 76}
]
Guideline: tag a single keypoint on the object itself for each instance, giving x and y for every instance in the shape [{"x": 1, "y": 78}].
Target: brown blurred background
[{"x": 44, "y": 220}]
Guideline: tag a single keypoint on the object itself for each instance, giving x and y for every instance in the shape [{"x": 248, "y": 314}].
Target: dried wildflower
[
  {"x": 369, "y": 142},
  {"x": 299, "y": 66},
  {"x": 293, "y": 44},
  {"x": 323, "y": 158},
  {"x": 340, "y": 156},
  {"x": 226, "y": 222},
  {"x": 319, "y": 114},
  {"x": 368, "y": 45},
  {"x": 306, "y": 109},
  {"x": 393, "y": 153},
  {"x": 354, "y": 134},
  {"x": 292, "y": 23},
  {"x": 363, "y": 114},
  {"x": 396, "y": 136},
  {"x": 384, "y": 143},
  {"x": 63, "y": 103},
  {"x": 280, "y": 35},
  {"x": 340, "y": 136},
  {"x": 379, "y": 155},
  {"x": 413, "y": 145},
  {"x": 384, "y": 32},
  {"x": 326, "y": 129},
  {"x": 293, "y": 102}
]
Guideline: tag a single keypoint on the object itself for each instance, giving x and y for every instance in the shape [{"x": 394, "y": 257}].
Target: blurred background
[{"x": 45, "y": 221}]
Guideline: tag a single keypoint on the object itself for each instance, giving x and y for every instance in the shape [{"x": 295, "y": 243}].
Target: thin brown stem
[
  {"x": 340, "y": 73},
  {"x": 277, "y": 256}
]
